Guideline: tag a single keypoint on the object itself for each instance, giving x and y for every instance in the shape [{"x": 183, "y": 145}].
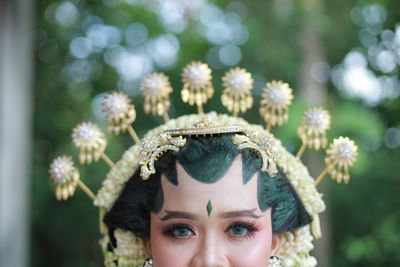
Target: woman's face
[{"x": 217, "y": 224}]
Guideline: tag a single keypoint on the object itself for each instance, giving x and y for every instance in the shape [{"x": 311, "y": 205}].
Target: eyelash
[
  {"x": 170, "y": 231},
  {"x": 250, "y": 226}
]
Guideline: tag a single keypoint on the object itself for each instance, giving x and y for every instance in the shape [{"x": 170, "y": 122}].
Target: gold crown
[{"x": 197, "y": 89}]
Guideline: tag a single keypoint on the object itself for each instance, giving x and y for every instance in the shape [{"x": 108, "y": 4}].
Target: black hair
[{"x": 206, "y": 159}]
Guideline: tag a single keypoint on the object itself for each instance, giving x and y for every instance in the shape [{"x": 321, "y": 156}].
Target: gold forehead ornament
[{"x": 153, "y": 147}]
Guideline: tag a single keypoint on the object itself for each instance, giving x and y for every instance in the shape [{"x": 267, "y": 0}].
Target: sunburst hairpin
[
  {"x": 197, "y": 86},
  {"x": 236, "y": 96},
  {"x": 276, "y": 98},
  {"x": 120, "y": 114},
  {"x": 66, "y": 177},
  {"x": 340, "y": 155},
  {"x": 91, "y": 141},
  {"x": 156, "y": 88},
  {"x": 312, "y": 130}
]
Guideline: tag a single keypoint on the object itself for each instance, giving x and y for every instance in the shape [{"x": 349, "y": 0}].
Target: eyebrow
[
  {"x": 179, "y": 215},
  {"x": 225, "y": 215},
  {"x": 239, "y": 213}
]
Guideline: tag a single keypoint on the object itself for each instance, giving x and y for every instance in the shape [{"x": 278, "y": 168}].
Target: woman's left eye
[
  {"x": 241, "y": 229},
  {"x": 238, "y": 230}
]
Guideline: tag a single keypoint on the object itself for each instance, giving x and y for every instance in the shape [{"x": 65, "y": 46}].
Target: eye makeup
[
  {"x": 239, "y": 230},
  {"x": 179, "y": 230}
]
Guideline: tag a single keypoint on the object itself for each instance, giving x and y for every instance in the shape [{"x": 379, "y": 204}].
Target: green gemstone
[{"x": 209, "y": 208}]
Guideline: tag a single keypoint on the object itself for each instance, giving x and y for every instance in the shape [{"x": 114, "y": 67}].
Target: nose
[{"x": 210, "y": 253}]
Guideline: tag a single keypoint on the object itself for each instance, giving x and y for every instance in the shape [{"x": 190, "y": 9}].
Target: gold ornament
[
  {"x": 66, "y": 176},
  {"x": 205, "y": 128},
  {"x": 340, "y": 155},
  {"x": 263, "y": 143},
  {"x": 312, "y": 130},
  {"x": 236, "y": 96},
  {"x": 156, "y": 88},
  {"x": 197, "y": 86},
  {"x": 151, "y": 148},
  {"x": 276, "y": 98},
  {"x": 120, "y": 113},
  {"x": 91, "y": 141}
]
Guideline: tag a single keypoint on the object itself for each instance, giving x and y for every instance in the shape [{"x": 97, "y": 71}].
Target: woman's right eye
[{"x": 180, "y": 231}]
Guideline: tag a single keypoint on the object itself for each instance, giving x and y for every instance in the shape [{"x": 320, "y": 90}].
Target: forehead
[{"x": 229, "y": 193}]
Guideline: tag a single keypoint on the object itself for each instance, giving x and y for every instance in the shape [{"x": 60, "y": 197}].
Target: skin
[{"x": 236, "y": 233}]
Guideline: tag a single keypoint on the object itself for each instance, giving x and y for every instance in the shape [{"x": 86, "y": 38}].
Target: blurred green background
[{"x": 344, "y": 55}]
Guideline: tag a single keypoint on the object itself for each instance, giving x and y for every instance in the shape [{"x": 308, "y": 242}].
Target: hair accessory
[
  {"x": 236, "y": 96},
  {"x": 340, "y": 155},
  {"x": 92, "y": 143},
  {"x": 120, "y": 113},
  {"x": 66, "y": 176},
  {"x": 153, "y": 147},
  {"x": 312, "y": 130},
  {"x": 204, "y": 128},
  {"x": 156, "y": 88},
  {"x": 274, "y": 261},
  {"x": 197, "y": 86},
  {"x": 263, "y": 143},
  {"x": 276, "y": 98}
]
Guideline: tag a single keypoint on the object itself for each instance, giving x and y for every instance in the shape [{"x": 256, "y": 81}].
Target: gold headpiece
[
  {"x": 120, "y": 113},
  {"x": 263, "y": 143},
  {"x": 341, "y": 155},
  {"x": 156, "y": 88},
  {"x": 236, "y": 96},
  {"x": 312, "y": 130},
  {"x": 171, "y": 136},
  {"x": 197, "y": 86},
  {"x": 276, "y": 98},
  {"x": 66, "y": 176},
  {"x": 152, "y": 147}
]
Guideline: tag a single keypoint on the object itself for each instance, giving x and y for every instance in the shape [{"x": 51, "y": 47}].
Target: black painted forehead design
[{"x": 208, "y": 159}]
